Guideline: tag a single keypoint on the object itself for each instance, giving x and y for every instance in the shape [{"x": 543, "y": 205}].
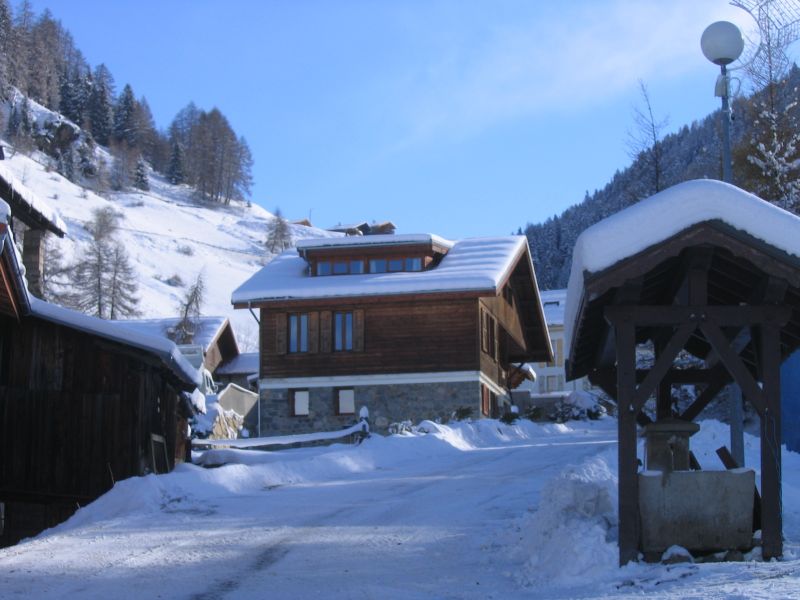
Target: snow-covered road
[
  {"x": 395, "y": 518},
  {"x": 467, "y": 511}
]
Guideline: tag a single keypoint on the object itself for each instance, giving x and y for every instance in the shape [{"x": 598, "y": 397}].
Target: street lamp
[{"x": 722, "y": 43}]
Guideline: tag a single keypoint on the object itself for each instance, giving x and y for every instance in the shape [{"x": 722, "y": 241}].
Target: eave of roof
[{"x": 477, "y": 265}]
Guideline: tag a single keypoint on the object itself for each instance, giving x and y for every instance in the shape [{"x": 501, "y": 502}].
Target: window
[
  {"x": 508, "y": 294},
  {"x": 298, "y": 403},
  {"x": 414, "y": 264},
  {"x": 323, "y": 268},
  {"x": 342, "y": 331},
  {"x": 395, "y": 264},
  {"x": 298, "y": 333},
  {"x": 559, "y": 352},
  {"x": 356, "y": 267},
  {"x": 488, "y": 334},
  {"x": 345, "y": 402},
  {"x": 377, "y": 265},
  {"x": 340, "y": 267}
]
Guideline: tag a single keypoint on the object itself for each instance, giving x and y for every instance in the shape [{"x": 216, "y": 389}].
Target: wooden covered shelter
[{"x": 702, "y": 268}]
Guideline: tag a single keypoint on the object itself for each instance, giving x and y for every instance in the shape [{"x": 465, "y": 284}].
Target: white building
[{"x": 550, "y": 376}]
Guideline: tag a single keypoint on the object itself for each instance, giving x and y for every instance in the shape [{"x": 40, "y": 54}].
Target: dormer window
[
  {"x": 323, "y": 267},
  {"x": 377, "y": 265},
  {"x": 414, "y": 264}
]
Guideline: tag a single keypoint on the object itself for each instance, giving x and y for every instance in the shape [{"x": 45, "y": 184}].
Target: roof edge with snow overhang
[
  {"x": 477, "y": 265},
  {"x": 161, "y": 347},
  {"x": 664, "y": 215}
]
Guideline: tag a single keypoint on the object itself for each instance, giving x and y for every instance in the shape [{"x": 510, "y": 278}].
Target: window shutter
[
  {"x": 358, "y": 330},
  {"x": 325, "y": 330},
  {"x": 496, "y": 339},
  {"x": 280, "y": 333},
  {"x": 313, "y": 332},
  {"x": 484, "y": 332}
]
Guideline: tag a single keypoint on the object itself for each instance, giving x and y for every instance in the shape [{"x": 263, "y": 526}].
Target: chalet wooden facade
[
  {"x": 83, "y": 403},
  {"x": 411, "y": 327}
]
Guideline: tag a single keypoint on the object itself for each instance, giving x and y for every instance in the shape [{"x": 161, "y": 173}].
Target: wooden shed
[
  {"x": 704, "y": 268},
  {"x": 83, "y": 403}
]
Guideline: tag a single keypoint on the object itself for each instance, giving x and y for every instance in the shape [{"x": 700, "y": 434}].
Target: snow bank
[{"x": 571, "y": 537}]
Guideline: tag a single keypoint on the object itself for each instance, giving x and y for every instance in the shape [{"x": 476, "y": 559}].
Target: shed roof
[
  {"x": 158, "y": 345},
  {"x": 243, "y": 364},
  {"x": 746, "y": 238},
  {"x": 27, "y": 206},
  {"x": 208, "y": 330}
]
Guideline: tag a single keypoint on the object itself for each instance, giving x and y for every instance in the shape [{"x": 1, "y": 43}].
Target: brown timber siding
[
  {"x": 407, "y": 336},
  {"x": 77, "y": 413}
]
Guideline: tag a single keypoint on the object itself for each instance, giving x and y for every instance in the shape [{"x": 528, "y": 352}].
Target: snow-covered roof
[
  {"x": 34, "y": 202},
  {"x": 666, "y": 214},
  {"x": 162, "y": 347},
  {"x": 208, "y": 328},
  {"x": 475, "y": 264},
  {"x": 346, "y": 226},
  {"x": 243, "y": 364},
  {"x": 375, "y": 240},
  {"x": 554, "y": 303}
]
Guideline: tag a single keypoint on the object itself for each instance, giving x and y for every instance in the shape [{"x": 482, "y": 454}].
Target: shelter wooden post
[
  {"x": 628, "y": 466},
  {"x": 771, "y": 519}
]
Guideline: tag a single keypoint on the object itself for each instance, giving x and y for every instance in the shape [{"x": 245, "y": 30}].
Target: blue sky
[{"x": 461, "y": 118}]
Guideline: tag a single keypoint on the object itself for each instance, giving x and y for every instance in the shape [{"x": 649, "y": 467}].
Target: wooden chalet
[
  {"x": 410, "y": 326},
  {"x": 711, "y": 270},
  {"x": 83, "y": 403},
  {"x": 365, "y": 228},
  {"x": 212, "y": 343}
]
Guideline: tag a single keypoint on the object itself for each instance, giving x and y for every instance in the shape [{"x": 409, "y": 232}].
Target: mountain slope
[{"x": 169, "y": 236}]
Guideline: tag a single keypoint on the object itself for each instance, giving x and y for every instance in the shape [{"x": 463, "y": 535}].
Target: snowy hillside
[{"x": 169, "y": 237}]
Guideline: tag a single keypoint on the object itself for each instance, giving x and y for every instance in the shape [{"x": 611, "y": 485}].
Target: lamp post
[{"x": 722, "y": 43}]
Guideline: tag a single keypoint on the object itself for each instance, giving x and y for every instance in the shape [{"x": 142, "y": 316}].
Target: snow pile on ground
[{"x": 571, "y": 537}]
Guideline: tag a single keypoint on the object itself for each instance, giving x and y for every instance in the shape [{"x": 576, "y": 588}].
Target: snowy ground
[{"x": 468, "y": 511}]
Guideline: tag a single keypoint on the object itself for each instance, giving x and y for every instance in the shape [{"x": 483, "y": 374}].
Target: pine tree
[
  {"x": 6, "y": 39},
  {"x": 122, "y": 287},
  {"x": 99, "y": 105},
  {"x": 140, "y": 180},
  {"x": 175, "y": 173},
  {"x": 279, "y": 234},
  {"x": 55, "y": 274},
  {"x": 189, "y": 309},
  {"x": 125, "y": 126},
  {"x": 103, "y": 280}
]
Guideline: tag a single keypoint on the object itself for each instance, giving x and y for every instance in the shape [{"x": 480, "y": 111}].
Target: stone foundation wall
[{"x": 387, "y": 404}]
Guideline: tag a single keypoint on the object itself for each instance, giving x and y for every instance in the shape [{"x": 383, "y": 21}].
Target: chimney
[{"x": 33, "y": 259}]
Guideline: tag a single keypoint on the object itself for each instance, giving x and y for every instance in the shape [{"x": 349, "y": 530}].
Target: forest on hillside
[
  {"x": 765, "y": 134},
  {"x": 40, "y": 63}
]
